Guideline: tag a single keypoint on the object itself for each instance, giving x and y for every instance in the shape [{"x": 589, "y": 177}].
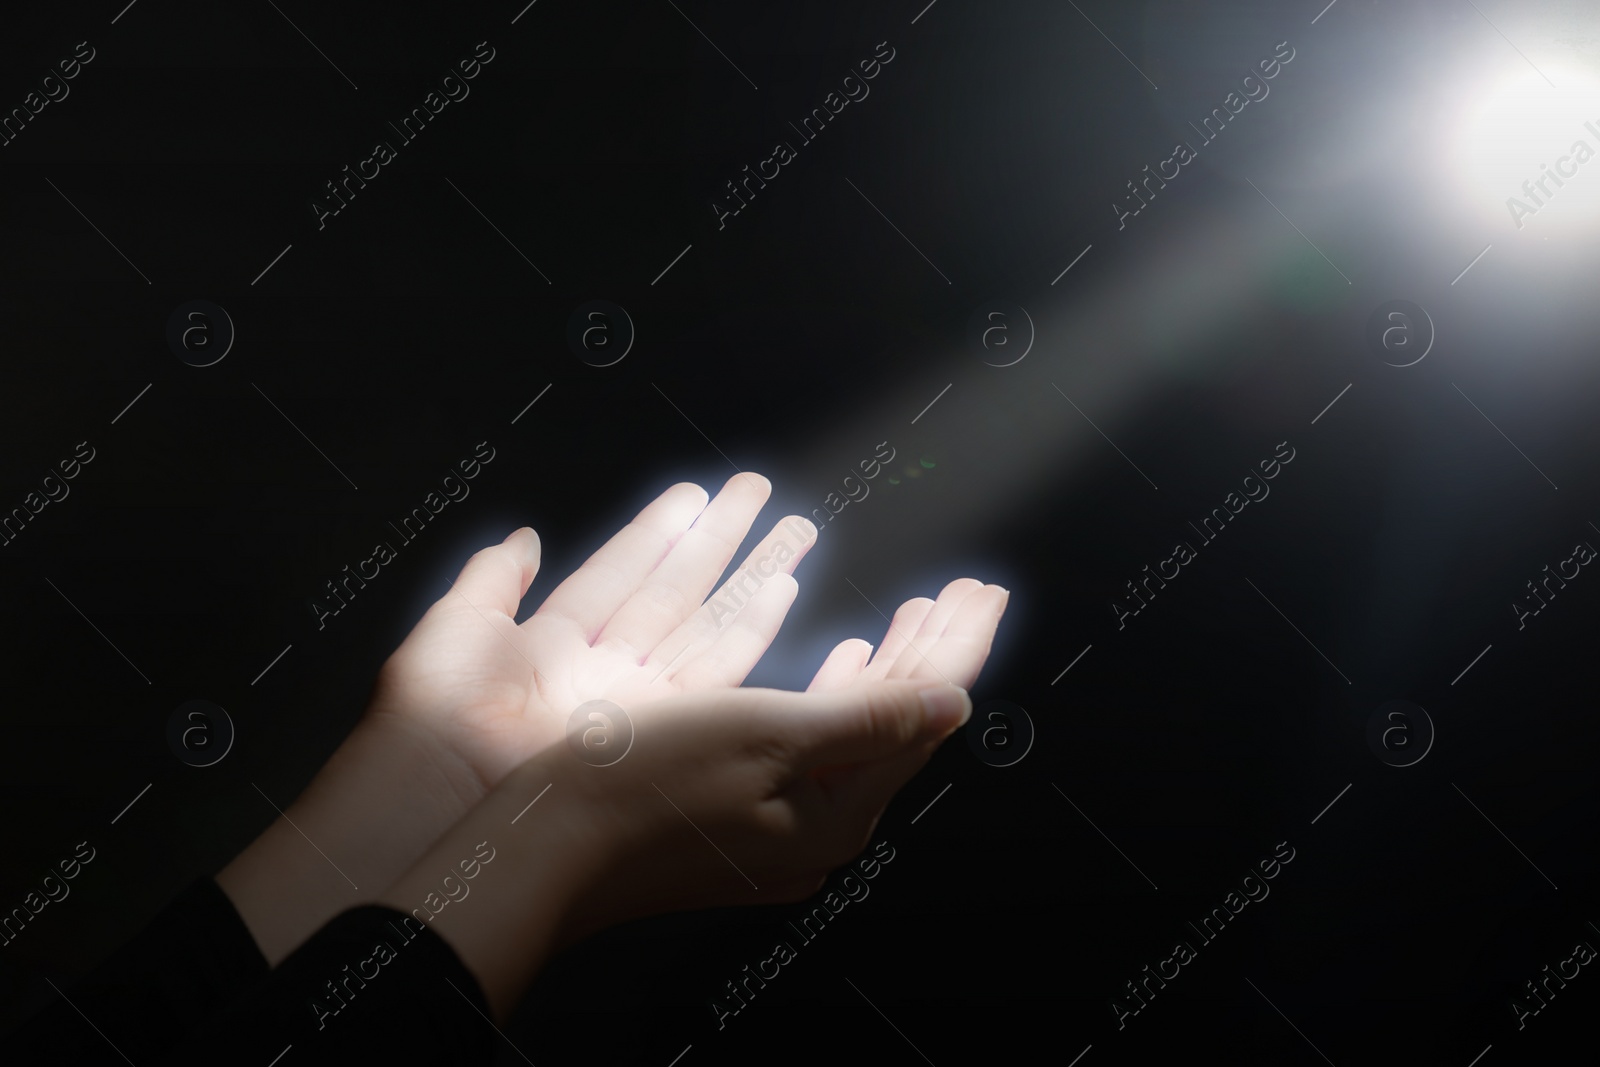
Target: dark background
[{"x": 792, "y": 341}]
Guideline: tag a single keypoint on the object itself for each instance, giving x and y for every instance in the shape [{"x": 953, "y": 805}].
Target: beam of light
[
  {"x": 1123, "y": 337},
  {"x": 1107, "y": 346},
  {"x": 1133, "y": 327}
]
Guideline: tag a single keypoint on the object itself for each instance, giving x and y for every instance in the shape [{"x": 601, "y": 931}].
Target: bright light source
[{"x": 1530, "y": 153}]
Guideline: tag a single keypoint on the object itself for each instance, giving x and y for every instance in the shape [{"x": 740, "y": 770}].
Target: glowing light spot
[{"x": 1524, "y": 148}]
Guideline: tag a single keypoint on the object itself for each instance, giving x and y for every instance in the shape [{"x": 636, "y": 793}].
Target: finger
[
  {"x": 865, "y": 722},
  {"x": 944, "y": 609},
  {"x": 780, "y": 552},
  {"x": 497, "y": 577},
  {"x": 959, "y": 652},
  {"x": 743, "y": 639},
  {"x": 956, "y": 656},
  {"x": 843, "y": 665},
  {"x": 906, "y": 622},
  {"x": 594, "y": 592},
  {"x": 678, "y": 586}
]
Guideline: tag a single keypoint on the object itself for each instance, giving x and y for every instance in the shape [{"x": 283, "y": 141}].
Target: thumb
[
  {"x": 869, "y": 721},
  {"x": 497, "y": 577}
]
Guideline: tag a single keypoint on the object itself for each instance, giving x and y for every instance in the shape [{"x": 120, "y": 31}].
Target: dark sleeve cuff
[
  {"x": 193, "y": 959},
  {"x": 372, "y": 986}
]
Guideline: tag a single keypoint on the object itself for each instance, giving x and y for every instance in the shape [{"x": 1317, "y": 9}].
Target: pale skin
[
  {"x": 471, "y": 695},
  {"x": 716, "y": 804}
]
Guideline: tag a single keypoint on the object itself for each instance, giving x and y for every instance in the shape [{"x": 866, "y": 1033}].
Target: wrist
[
  {"x": 505, "y": 916},
  {"x": 382, "y": 797},
  {"x": 421, "y": 764}
]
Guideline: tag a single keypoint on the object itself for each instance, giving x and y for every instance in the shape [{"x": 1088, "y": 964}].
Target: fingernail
[
  {"x": 945, "y": 707},
  {"x": 525, "y": 542}
]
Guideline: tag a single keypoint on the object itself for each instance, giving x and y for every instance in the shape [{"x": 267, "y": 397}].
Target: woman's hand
[
  {"x": 715, "y": 803},
  {"x": 632, "y": 625},
  {"x": 471, "y": 694},
  {"x": 851, "y": 775}
]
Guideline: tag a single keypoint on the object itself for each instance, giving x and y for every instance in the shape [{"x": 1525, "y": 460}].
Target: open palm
[{"x": 634, "y": 625}]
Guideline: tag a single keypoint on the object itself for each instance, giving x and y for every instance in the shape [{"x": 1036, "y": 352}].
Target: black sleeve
[
  {"x": 187, "y": 965},
  {"x": 372, "y": 986}
]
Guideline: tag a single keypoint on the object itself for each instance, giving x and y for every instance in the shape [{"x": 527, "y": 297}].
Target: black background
[{"x": 791, "y": 342}]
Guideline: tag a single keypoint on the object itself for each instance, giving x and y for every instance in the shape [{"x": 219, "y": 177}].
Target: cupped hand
[
  {"x": 632, "y": 625},
  {"x": 470, "y": 693},
  {"x": 810, "y": 775},
  {"x": 716, "y": 803}
]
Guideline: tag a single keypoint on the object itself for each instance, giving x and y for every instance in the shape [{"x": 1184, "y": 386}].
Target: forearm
[
  {"x": 505, "y": 916},
  {"x": 368, "y": 814}
]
